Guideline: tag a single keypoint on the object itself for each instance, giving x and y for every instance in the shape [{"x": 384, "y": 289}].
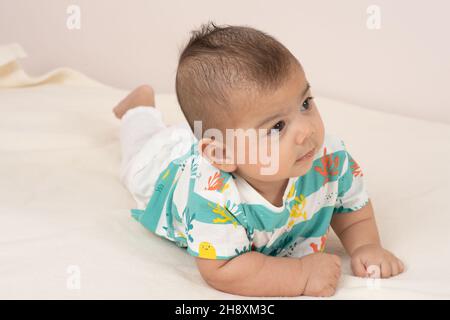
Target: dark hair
[{"x": 220, "y": 59}]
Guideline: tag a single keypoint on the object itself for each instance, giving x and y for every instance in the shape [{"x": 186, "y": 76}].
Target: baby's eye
[
  {"x": 306, "y": 104},
  {"x": 278, "y": 126}
]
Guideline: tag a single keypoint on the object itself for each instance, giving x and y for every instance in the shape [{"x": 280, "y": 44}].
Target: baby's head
[{"x": 237, "y": 77}]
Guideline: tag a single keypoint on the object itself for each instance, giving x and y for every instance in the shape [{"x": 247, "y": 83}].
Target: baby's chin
[
  {"x": 272, "y": 174},
  {"x": 295, "y": 171},
  {"x": 301, "y": 168}
]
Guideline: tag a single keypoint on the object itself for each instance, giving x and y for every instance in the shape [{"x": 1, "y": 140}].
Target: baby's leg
[
  {"x": 141, "y": 96},
  {"x": 139, "y": 121}
]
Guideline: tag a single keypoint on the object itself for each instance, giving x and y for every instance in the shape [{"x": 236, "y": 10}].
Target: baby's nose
[{"x": 302, "y": 135}]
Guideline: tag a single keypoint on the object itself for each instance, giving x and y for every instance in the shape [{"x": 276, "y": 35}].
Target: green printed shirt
[{"x": 218, "y": 215}]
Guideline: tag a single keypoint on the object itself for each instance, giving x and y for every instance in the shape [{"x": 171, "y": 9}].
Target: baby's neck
[{"x": 272, "y": 191}]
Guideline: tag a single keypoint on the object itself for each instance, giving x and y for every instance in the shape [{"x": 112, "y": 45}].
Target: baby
[{"x": 257, "y": 226}]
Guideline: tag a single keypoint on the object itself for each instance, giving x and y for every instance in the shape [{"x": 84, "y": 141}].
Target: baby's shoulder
[
  {"x": 214, "y": 184},
  {"x": 333, "y": 143},
  {"x": 201, "y": 182},
  {"x": 330, "y": 159}
]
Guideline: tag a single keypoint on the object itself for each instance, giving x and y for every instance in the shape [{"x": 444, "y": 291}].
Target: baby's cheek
[{"x": 262, "y": 154}]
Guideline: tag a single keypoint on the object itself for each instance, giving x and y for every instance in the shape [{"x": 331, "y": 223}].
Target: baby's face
[{"x": 290, "y": 111}]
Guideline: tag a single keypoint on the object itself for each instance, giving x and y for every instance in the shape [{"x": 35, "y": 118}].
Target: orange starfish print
[
  {"x": 323, "y": 240},
  {"x": 330, "y": 166},
  {"x": 356, "y": 170},
  {"x": 215, "y": 182}
]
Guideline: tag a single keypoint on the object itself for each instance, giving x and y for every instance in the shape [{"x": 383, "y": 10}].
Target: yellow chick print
[{"x": 206, "y": 250}]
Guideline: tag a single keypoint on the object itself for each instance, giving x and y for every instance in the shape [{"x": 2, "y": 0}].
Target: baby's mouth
[{"x": 306, "y": 156}]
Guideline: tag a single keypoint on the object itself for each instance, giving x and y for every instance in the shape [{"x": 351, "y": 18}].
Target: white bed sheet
[{"x": 62, "y": 205}]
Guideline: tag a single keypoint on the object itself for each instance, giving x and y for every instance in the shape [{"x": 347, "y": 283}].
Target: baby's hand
[
  {"x": 322, "y": 271},
  {"x": 368, "y": 256}
]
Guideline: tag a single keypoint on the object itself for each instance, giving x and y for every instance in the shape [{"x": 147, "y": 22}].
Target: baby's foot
[{"x": 141, "y": 96}]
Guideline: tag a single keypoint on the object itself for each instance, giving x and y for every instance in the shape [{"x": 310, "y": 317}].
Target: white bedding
[{"x": 62, "y": 205}]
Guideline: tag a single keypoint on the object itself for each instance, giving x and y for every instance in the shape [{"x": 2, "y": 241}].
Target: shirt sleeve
[
  {"x": 352, "y": 192},
  {"x": 215, "y": 229}
]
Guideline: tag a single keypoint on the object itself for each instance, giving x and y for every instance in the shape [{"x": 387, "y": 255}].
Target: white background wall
[{"x": 403, "y": 67}]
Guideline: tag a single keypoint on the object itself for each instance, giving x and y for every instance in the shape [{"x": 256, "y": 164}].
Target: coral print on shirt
[{"x": 218, "y": 215}]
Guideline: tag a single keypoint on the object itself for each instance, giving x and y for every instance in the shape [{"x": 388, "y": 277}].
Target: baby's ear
[{"x": 215, "y": 152}]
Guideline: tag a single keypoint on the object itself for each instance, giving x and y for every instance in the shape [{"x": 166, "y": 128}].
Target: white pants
[{"x": 148, "y": 146}]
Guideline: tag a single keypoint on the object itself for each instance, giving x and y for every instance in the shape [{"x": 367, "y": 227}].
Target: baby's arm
[
  {"x": 359, "y": 235},
  {"x": 255, "y": 274},
  {"x": 356, "y": 229}
]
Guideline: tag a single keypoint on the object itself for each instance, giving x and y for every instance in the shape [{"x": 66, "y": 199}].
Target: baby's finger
[
  {"x": 394, "y": 268},
  {"x": 401, "y": 265},
  {"x": 386, "y": 270},
  {"x": 328, "y": 291},
  {"x": 336, "y": 275},
  {"x": 337, "y": 260},
  {"x": 358, "y": 268}
]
